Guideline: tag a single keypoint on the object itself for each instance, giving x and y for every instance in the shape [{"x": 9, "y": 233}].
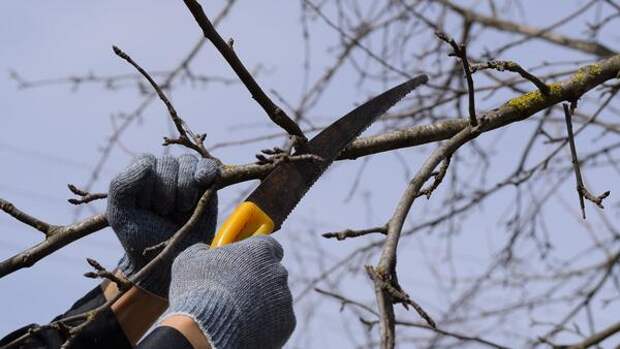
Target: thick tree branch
[
  {"x": 524, "y": 106},
  {"x": 385, "y": 271},
  {"x": 62, "y": 236},
  {"x": 516, "y": 109},
  {"x": 597, "y": 337}
]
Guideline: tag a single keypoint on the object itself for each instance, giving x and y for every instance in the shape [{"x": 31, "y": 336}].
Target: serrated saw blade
[{"x": 283, "y": 188}]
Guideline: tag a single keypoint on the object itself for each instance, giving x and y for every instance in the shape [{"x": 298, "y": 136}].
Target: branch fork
[
  {"x": 101, "y": 273},
  {"x": 278, "y": 155},
  {"x": 84, "y": 196},
  {"x": 460, "y": 51},
  {"x": 390, "y": 286}
]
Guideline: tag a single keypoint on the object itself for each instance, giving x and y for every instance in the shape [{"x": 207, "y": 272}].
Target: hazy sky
[{"x": 52, "y": 136}]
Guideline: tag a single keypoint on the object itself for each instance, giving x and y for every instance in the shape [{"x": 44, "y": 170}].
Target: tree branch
[
  {"x": 590, "y": 47},
  {"x": 461, "y": 52},
  {"x": 348, "y": 233},
  {"x": 460, "y": 336},
  {"x": 513, "y": 67},
  {"x": 101, "y": 272},
  {"x": 85, "y": 196},
  {"x": 163, "y": 255},
  {"x": 581, "y": 188},
  {"x": 385, "y": 272},
  {"x": 186, "y": 136},
  {"x": 25, "y": 218},
  {"x": 597, "y": 337},
  {"x": 516, "y": 109},
  {"x": 62, "y": 236},
  {"x": 275, "y": 113}
]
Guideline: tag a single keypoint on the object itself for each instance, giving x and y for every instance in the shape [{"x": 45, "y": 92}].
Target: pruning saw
[{"x": 268, "y": 206}]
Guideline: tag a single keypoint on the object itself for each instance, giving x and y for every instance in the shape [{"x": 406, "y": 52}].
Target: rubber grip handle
[{"x": 246, "y": 220}]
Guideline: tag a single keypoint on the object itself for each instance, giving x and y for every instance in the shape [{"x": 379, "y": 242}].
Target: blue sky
[{"x": 52, "y": 136}]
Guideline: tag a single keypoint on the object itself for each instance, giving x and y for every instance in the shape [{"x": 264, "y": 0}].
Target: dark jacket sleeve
[
  {"x": 164, "y": 337},
  {"x": 103, "y": 332}
]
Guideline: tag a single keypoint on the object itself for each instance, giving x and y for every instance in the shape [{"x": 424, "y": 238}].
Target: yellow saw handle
[{"x": 246, "y": 220}]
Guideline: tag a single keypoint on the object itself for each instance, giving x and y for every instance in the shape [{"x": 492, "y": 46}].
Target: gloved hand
[
  {"x": 149, "y": 201},
  {"x": 237, "y": 294}
]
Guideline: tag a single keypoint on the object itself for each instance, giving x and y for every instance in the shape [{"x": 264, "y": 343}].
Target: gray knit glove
[
  {"x": 149, "y": 201},
  {"x": 237, "y": 294}
]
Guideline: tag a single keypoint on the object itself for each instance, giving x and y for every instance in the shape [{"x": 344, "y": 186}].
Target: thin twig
[
  {"x": 348, "y": 233},
  {"x": 585, "y": 46},
  {"x": 186, "y": 136},
  {"x": 439, "y": 176},
  {"x": 513, "y": 67},
  {"x": 85, "y": 196},
  {"x": 461, "y": 52},
  {"x": 346, "y": 301},
  {"x": 275, "y": 113},
  {"x": 25, "y": 218},
  {"x": 581, "y": 189},
  {"x": 101, "y": 272}
]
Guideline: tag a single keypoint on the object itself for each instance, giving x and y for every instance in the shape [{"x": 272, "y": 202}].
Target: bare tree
[{"x": 478, "y": 89}]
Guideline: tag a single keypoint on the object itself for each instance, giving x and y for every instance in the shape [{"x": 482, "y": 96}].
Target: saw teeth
[{"x": 413, "y": 83}]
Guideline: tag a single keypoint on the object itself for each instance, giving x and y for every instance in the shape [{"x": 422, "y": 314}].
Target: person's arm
[
  {"x": 119, "y": 327},
  {"x": 135, "y": 311},
  {"x": 232, "y": 297},
  {"x": 178, "y": 332},
  {"x": 147, "y": 203},
  {"x": 103, "y": 332},
  {"x": 189, "y": 329}
]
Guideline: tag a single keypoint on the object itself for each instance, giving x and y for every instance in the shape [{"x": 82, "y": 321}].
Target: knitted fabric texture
[
  {"x": 238, "y": 294},
  {"x": 149, "y": 201}
]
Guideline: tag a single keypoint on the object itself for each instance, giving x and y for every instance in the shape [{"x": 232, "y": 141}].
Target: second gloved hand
[
  {"x": 237, "y": 294},
  {"x": 149, "y": 201}
]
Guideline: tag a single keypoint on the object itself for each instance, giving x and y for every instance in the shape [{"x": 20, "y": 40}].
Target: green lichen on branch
[
  {"x": 581, "y": 81},
  {"x": 583, "y": 73},
  {"x": 535, "y": 98}
]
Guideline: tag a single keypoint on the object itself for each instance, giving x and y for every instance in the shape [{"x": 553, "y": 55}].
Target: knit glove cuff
[
  {"x": 237, "y": 293},
  {"x": 215, "y": 312}
]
